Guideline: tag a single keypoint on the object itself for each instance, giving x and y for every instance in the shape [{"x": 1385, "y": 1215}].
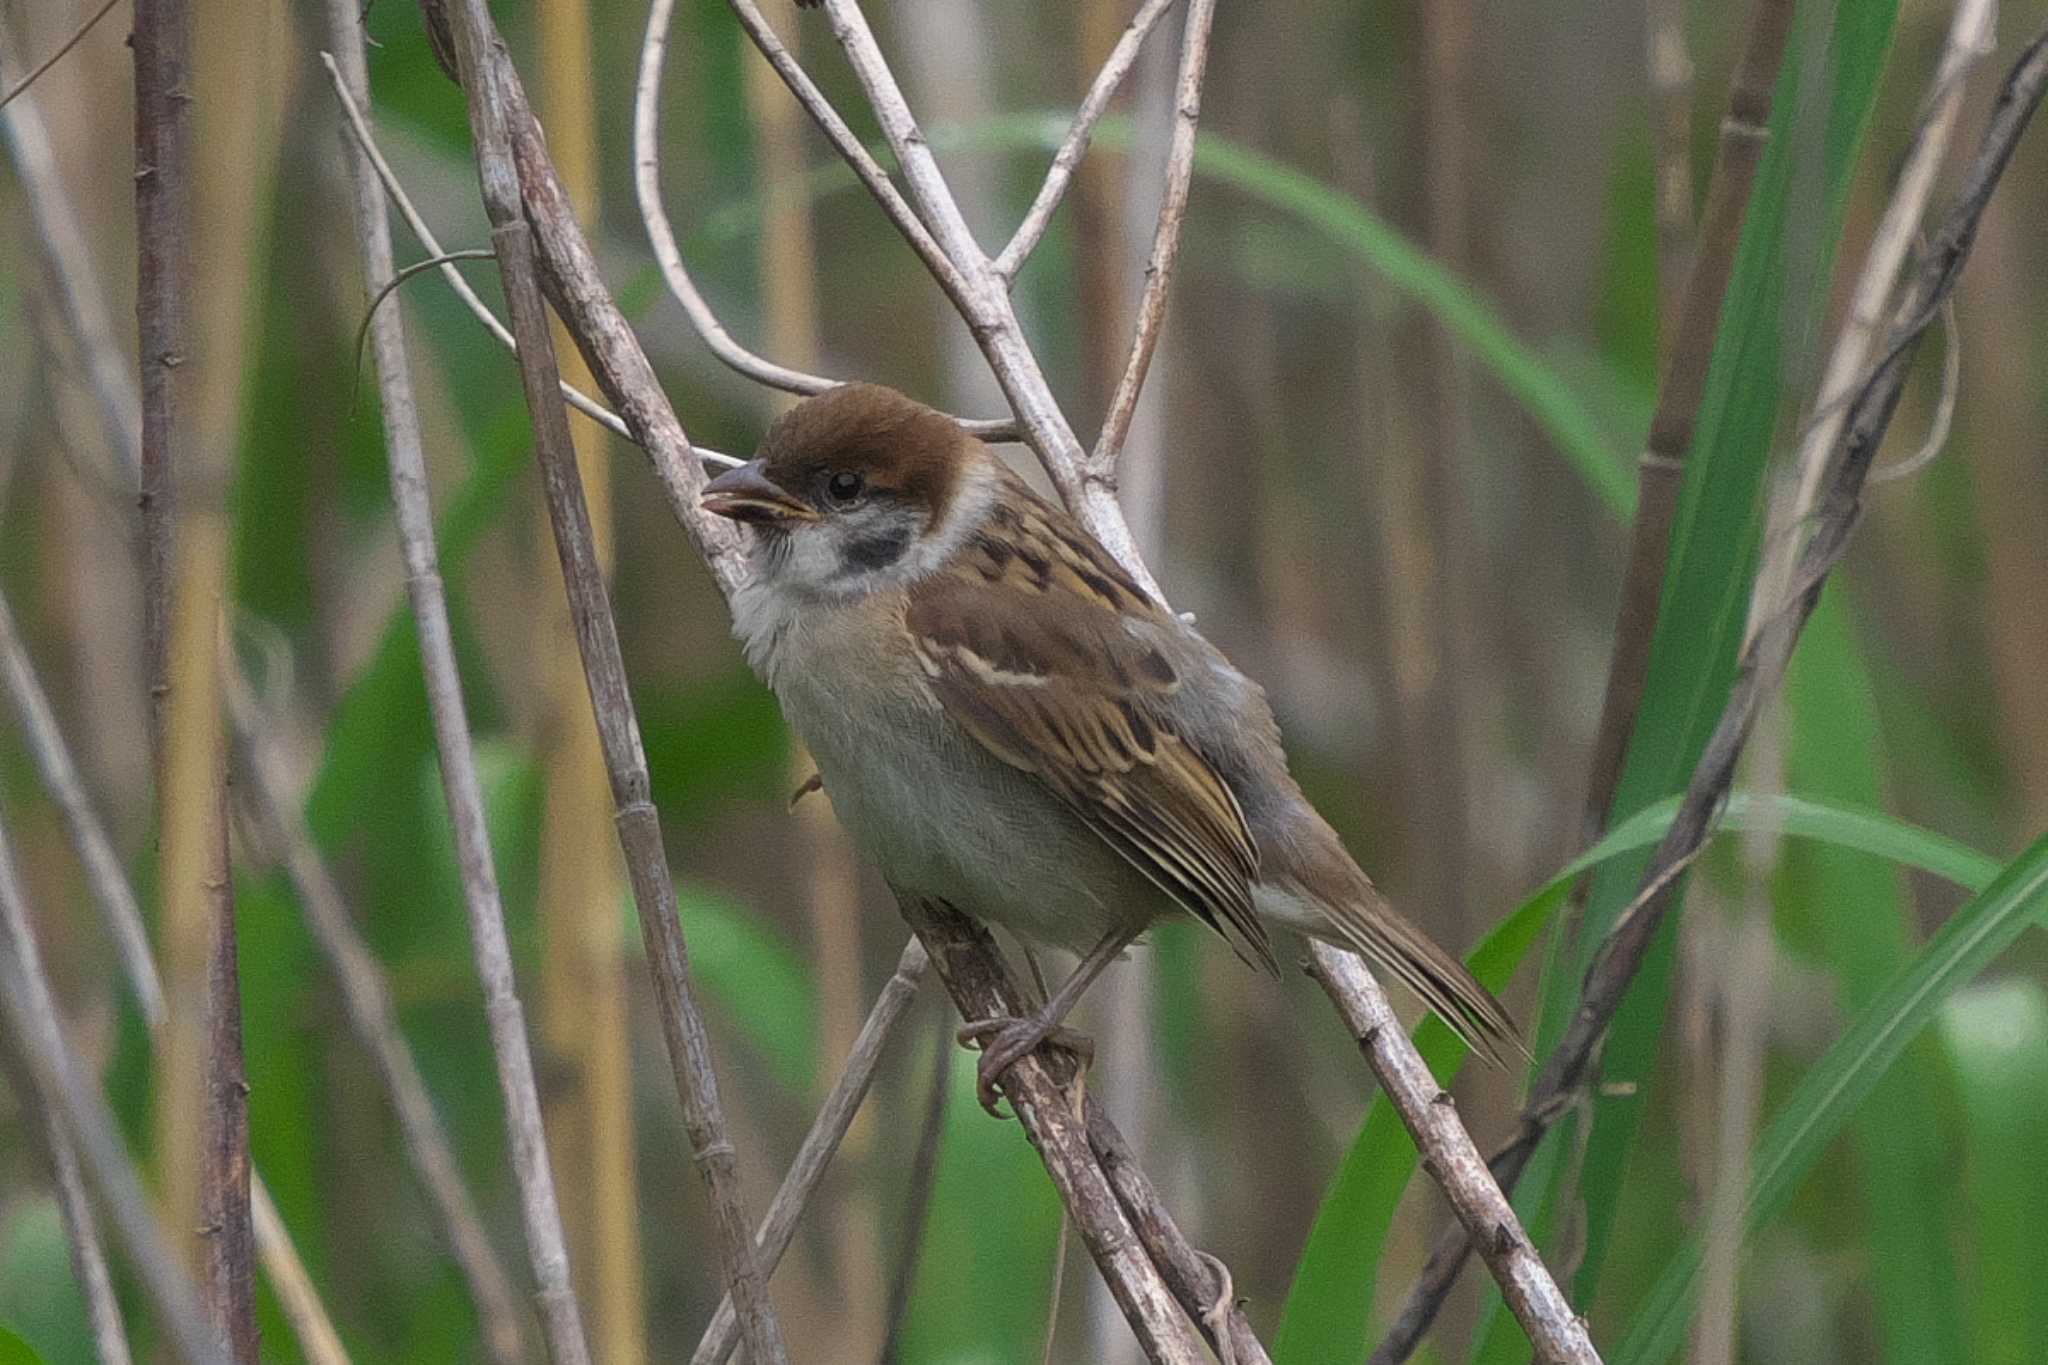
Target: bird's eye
[{"x": 844, "y": 487}]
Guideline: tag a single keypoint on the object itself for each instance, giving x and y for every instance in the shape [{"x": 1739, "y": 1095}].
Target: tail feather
[{"x": 1439, "y": 980}]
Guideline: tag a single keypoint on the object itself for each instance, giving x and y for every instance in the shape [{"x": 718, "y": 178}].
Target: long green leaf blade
[{"x": 1845, "y": 1076}]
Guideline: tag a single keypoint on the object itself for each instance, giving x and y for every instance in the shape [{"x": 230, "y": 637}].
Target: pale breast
[{"x": 927, "y": 804}]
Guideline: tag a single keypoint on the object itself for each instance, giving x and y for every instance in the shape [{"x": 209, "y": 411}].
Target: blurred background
[{"x": 1386, "y": 457}]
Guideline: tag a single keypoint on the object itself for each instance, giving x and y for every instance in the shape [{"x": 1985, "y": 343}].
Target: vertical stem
[
  {"x": 162, "y": 104},
  {"x": 495, "y": 106},
  {"x": 30, "y": 1010},
  {"x": 1745, "y": 128},
  {"x": 584, "y": 1018},
  {"x": 561, "y": 1319},
  {"x": 207, "y": 1136}
]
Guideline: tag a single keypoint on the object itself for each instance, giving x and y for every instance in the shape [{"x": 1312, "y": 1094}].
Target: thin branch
[
  {"x": 183, "y": 616},
  {"x": 1575, "y": 1063},
  {"x": 495, "y": 109},
  {"x": 1190, "y": 1272},
  {"x": 1039, "y": 1090},
  {"x": 924, "y": 1175},
  {"x": 1453, "y": 1161},
  {"x": 103, "y": 870},
  {"x": 1745, "y": 130},
  {"x": 366, "y": 143},
  {"x": 561, "y": 1320},
  {"x": 985, "y": 304},
  {"x": 1180, "y": 174},
  {"x": 1971, "y": 37},
  {"x": 74, "y": 1210},
  {"x": 1074, "y": 146},
  {"x": 661, "y": 236},
  {"x": 364, "y": 995},
  {"x": 366, "y": 999},
  {"x": 162, "y": 116},
  {"x": 77, "y": 36},
  {"x": 30, "y": 1009},
  {"x": 855, "y": 153},
  {"x": 835, "y": 1116}
]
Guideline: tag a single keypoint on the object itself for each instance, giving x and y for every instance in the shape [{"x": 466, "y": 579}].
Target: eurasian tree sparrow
[{"x": 1005, "y": 722}]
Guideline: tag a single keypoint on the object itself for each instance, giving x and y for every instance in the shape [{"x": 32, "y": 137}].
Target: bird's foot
[{"x": 1004, "y": 1042}]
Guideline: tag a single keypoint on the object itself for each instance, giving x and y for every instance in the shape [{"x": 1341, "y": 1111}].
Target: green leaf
[
  {"x": 1833, "y": 1090},
  {"x": 1998, "y": 1036},
  {"x": 1853, "y": 913},
  {"x": 1328, "y": 1313},
  {"x": 15, "y": 1351},
  {"x": 1829, "y": 76}
]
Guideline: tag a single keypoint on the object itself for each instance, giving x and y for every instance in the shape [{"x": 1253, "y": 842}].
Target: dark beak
[{"x": 747, "y": 494}]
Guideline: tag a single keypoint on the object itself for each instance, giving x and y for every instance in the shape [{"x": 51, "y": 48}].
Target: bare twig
[
  {"x": 1190, "y": 1272},
  {"x": 31, "y": 1011},
  {"x": 1970, "y": 39},
  {"x": 1574, "y": 1065},
  {"x": 1454, "y": 1162},
  {"x": 61, "y": 778},
  {"x": 561, "y": 1320},
  {"x": 1038, "y": 1089},
  {"x": 661, "y": 236},
  {"x": 985, "y": 304},
  {"x": 366, "y": 142},
  {"x": 1074, "y": 146},
  {"x": 942, "y": 267},
  {"x": 1745, "y": 129},
  {"x": 924, "y": 1174},
  {"x": 497, "y": 108},
  {"x": 225, "y": 1197},
  {"x": 1173, "y": 208},
  {"x": 182, "y": 616},
  {"x": 77, "y": 36},
  {"x": 366, "y": 999},
  {"x": 74, "y": 1209},
  {"x": 162, "y": 116},
  {"x": 827, "y": 1129}
]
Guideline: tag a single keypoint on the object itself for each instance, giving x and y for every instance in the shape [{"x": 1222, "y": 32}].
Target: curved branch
[
  {"x": 662, "y": 238},
  {"x": 1180, "y": 174},
  {"x": 1074, "y": 146}
]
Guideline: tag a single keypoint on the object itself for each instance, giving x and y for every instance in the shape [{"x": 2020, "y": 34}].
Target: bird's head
[{"x": 854, "y": 489}]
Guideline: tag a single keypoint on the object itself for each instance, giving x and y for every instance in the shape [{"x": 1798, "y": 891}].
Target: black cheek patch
[{"x": 866, "y": 554}]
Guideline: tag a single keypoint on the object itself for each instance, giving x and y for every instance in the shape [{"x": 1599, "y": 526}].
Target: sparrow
[{"x": 1006, "y": 722}]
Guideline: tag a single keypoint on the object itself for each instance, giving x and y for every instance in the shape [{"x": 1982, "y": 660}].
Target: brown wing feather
[{"x": 1023, "y": 643}]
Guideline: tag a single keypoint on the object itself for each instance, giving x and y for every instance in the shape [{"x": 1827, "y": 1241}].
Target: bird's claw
[{"x": 1007, "y": 1041}]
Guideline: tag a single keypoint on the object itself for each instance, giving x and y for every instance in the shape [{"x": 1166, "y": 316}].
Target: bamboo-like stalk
[
  {"x": 499, "y": 114},
  {"x": 202, "y": 1114},
  {"x": 85, "y": 314},
  {"x": 1574, "y": 1065},
  {"x": 560, "y": 1315},
  {"x": 30, "y": 1010},
  {"x": 1660, "y": 471},
  {"x": 585, "y": 1022}
]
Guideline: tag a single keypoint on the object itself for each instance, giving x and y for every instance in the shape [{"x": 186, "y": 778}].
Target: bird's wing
[{"x": 1024, "y": 640}]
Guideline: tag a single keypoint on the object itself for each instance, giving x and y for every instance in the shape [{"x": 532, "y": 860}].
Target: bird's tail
[{"x": 1389, "y": 942}]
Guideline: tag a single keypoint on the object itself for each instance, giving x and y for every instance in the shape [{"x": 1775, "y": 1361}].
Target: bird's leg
[{"x": 1006, "y": 1041}]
